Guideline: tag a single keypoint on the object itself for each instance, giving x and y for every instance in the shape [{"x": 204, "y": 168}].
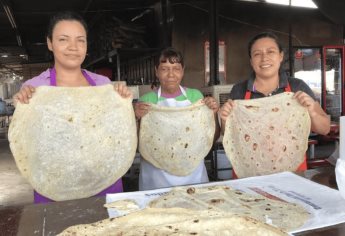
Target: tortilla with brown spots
[
  {"x": 266, "y": 135},
  {"x": 287, "y": 216},
  {"x": 176, "y": 139},
  {"x": 72, "y": 143}
]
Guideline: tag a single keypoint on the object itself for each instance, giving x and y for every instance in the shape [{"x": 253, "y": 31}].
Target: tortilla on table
[
  {"x": 287, "y": 216},
  {"x": 176, "y": 139},
  {"x": 175, "y": 221},
  {"x": 266, "y": 135},
  {"x": 72, "y": 143}
]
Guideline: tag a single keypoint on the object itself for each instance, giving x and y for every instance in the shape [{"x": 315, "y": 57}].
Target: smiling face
[
  {"x": 170, "y": 76},
  {"x": 68, "y": 44},
  {"x": 266, "y": 58}
]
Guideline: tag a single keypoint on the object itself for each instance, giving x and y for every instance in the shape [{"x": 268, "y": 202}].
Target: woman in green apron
[{"x": 170, "y": 71}]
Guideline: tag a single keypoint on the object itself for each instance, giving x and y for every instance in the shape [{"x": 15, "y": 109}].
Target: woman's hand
[
  {"x": 226, "y": 109},
  {"x": 320, "y": 121},
  {"x": 214, "y": 106},
  {"x": 123, "y": 90},
  {"x": 24, "y": 94},
  {"x": 306, "y": 101},
  {"x": 141, "y": 109},
  {"x": 211, "y": 103},
  {"x": 224, "y": 112}
]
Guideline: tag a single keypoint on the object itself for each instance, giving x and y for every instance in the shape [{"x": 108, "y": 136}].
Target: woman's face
[
  {"x": 68, "y": 44},
  {"x": 266, "y": 58},
  {"x": 170, "y": 76}
]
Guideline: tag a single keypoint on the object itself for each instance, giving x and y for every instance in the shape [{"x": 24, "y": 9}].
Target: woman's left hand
[
  {"x": 306, "y": 101},
  {"x": 320, "y": 121},
  {"x": 211, "y": 103},
  {"x": 122, "y": 90}
]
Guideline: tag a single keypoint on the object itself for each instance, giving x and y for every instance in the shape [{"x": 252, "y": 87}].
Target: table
[
  {"x": 311, "y": 148},
  {"x": 52, "y": 218},
  {"x": 334, "y": 131}
]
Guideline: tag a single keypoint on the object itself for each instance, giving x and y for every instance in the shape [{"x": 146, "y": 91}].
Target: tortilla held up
[
  {"x": 72, "y": 143},
  {"x": 176, "y": 139},
  {"x": 266, "y": 135}
]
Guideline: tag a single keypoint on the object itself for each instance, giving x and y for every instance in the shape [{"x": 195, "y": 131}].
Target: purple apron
[{"x": 114, "y": 188}]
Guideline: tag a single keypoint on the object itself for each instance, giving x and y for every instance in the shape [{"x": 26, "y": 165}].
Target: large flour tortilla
[
  {"x": 266, "y": 135},
  {"x": 175, "y": 221},
  {"x": 72, "y": 143},
  {"x": 177, "y": 139},
  {"x": 286, "y": 216}
]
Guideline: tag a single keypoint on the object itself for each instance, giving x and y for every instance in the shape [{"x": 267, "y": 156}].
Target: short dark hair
[
  {"x": 169, "y": 54},
  {"x": 64, "y": 15},
  {"x": 264, "y": 35}
]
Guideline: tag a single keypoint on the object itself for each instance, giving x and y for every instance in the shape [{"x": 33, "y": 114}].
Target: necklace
[{"x": 268, "y": 94}]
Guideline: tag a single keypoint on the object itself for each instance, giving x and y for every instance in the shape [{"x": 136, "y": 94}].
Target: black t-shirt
[{"x": 239, "y": 90}]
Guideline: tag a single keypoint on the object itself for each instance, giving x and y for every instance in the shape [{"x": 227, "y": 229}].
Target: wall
[
  {"x": 32, "y": 70},
  {"x": 238, "y": 22}
]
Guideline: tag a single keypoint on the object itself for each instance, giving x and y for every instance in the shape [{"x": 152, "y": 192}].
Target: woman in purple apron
[{"x": 67, "y": 40}]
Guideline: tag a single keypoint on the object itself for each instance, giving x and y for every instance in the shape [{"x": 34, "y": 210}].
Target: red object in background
[
  {"x": 105, "y": 71},
  {"x": 299, "y": 54}
]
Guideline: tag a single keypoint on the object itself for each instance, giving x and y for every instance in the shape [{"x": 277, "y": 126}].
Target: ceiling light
[
  {"x": 4, "y": 55},
  {"x": 10, "y": 16},
  {"x": 19, "y": 40},
  {"x": 141, "y": 14},
  {"x": 23, "y": 56},
  {"x": 295, "y": 3}
]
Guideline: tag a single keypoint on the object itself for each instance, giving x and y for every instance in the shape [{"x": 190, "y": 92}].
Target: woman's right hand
[
  {"x": 141, "y": 109},
  {"x": 24, "y": 94},
  {"x": 226, "y": 109}
]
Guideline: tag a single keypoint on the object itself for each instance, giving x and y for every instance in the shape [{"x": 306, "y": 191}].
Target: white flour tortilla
[
  {"x": 266, "y": 135},
  {"x": 72, "y": 143},
  {"x": 177, "y": 139}
]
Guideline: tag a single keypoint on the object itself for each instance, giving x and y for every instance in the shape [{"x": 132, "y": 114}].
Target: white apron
[{"x": 151, "y": 177}]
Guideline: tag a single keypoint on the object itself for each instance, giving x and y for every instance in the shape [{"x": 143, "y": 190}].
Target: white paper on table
[
  {"x": 340, "y": 166},
  {"x": 340, "y": 176},
  {"x": 325, "y": 204},
  {"x": 342, "y": 138}
]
